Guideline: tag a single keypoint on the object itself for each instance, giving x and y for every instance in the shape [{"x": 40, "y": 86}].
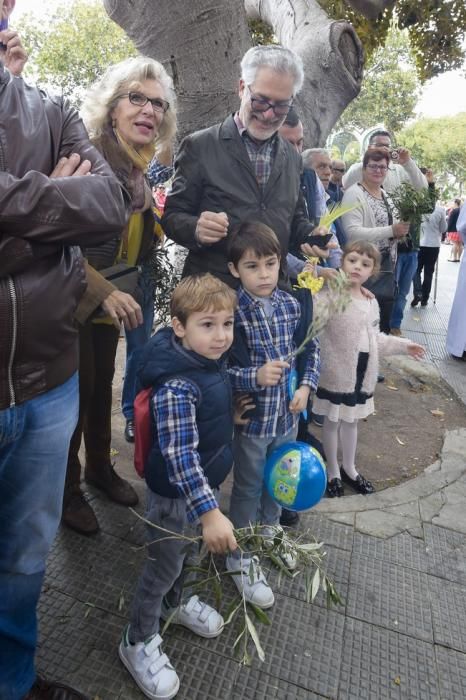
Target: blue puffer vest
[{"x": 164, "y": 358}]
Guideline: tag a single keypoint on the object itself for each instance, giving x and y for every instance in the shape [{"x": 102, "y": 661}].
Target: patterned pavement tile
[
  {"x": 446, "y": 552},
  {"x": 452, "y": 673},
  {"x": 383, "y": 665},
  {"x": 391, "y": 596},
  {"x": 448, "y": 602},
  {"x": 401, "y": 549}
]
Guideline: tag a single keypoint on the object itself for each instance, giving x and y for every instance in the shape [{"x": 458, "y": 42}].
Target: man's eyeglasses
[
  {"x": 382, "y": 168},
  {"x": 140, "y": 100},
  {"x": 339, "y": 170},
  {"x": 259, "y": 104}
]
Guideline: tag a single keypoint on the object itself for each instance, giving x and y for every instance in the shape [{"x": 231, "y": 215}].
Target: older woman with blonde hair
[{"x": 130, "y": 115}]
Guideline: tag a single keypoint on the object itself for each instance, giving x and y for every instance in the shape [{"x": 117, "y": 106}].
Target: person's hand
[
  {"x": 313, "y": 251},
  {"x": 328, "y": 273},
  {"x": 403, "y": 155},
  {"x": 241, "y": 404},
  {"x": 367, "y": 293},
  {"x": 271, "y": 373},
  {"x": 15, "y": 56},
  {"x": 217, "y": 532},
  {"x": 299, "y": 401},
  {"x": 122, "y": 308},
  {"x": 384, "y": 149},
  {"x": 400, "y": 229},
  {"x": 310, "y": 267},
  {"x": 416, "y": 351},
  {"x": 430, "y": 176},
  {"x": 71, "y": 167},
  {"x": 211, "y": 227}
]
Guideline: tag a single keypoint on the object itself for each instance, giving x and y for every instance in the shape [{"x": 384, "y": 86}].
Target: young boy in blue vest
[
  {"x": 266, "y": 324},
  {"x": 190, "y": 456}
]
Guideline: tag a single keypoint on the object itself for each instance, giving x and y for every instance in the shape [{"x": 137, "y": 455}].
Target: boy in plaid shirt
[
  {"x": 266, "y": 321},
  {"x": 190, "y": 456}
]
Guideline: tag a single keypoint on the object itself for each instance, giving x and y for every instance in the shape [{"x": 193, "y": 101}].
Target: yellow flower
[{"x": 307, "y": 280}]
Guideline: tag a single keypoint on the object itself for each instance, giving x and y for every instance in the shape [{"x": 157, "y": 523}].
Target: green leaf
[
  {"x": 315, "y": 584},
  {"x": 255, "y": 637},
  {"x": 232, "y": 609},
  {"x": 259, "y": 613}
]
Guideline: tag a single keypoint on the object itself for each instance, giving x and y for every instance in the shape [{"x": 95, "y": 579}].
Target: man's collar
[{"x": 246, "y": 299}]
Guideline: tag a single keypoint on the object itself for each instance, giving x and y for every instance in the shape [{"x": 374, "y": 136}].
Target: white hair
[
  {"x": 102, "y": 97},
  {"x": 308, "y": 156},
  {"x": 275, "y": 57}
]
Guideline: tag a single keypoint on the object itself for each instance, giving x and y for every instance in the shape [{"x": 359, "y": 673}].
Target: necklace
[{"x": 379, "y": 194}]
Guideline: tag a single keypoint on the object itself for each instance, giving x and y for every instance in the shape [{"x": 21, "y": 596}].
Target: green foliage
[
  {"x": 261, "y": 32},
  {"x": 436, "y": 30},
  {"x": 411, "y": 204},
  {"x": 71, "y": 46},
  {"x": 390, "y": 89},
  {"x": 440, "y": 144}
]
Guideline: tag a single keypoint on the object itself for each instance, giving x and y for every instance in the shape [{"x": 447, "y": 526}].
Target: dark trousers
[
  {"x": 97, "y": 350},
  {"x": 426, "y": 261},
  {"x": 385, "y": 314}
]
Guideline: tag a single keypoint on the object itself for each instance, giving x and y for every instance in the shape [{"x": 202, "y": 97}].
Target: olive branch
[{"x": 209, "y": 578}]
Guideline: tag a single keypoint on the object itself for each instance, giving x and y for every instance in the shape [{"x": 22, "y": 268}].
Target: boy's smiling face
[
  {"x": 209, "y": 333},
  {"x": 258, "y": 275}
]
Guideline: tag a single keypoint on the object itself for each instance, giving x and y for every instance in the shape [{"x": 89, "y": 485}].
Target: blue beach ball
[{"x": 295, "y": 476}]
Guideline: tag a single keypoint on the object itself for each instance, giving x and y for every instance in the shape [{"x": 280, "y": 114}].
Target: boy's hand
[
  {"x": 271, "y": 373},
  {"x": 416, "y": 351},
  {"x": 217, "y": 532},
  {"x": 242, "y": 403},
  {"x": 299, "y": 401}
]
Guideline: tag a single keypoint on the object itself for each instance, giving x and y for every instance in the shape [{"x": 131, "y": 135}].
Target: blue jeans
[
  {"x": 250, "y": 500},
  {"x": 135, "y": 342},
  {"x": 34, "y": 441},
  {"x": 405, "y": 269}
]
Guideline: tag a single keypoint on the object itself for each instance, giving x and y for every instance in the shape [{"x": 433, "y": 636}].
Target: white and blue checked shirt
[
  {"x": 270, "y": 339},
  {"x": 175, "y": 413}
]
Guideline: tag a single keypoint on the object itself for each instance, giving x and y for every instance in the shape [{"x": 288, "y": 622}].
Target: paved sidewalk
[{"x": 398, "y": 559}]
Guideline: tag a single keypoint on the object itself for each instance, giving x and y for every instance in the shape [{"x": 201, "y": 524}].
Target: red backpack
[{"x": 142, "y": 431}]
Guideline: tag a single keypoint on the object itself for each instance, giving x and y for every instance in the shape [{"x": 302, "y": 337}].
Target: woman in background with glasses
[
  {"x": 130, "y": 115},
  {"x": 373, "y": 219}
]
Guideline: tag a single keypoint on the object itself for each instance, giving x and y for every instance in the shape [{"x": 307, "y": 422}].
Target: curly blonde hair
[{"x": 102, "y": 96}]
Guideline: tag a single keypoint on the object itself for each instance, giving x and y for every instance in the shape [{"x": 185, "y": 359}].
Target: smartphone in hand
[{"x": 3, "y": 26}]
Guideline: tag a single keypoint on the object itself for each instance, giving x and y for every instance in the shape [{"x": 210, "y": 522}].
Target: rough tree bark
[{"x": 201, "y": 43}]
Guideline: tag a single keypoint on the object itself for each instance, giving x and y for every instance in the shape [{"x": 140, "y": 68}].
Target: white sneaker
[
  {"x": 269, "y": 532},
  {"x": 197, "y": 616},
  {"x": 150, "y": 668},
  {"x": 258, "y": 592}
]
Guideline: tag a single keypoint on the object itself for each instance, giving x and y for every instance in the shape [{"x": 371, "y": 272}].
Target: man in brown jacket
[{"x": 56, "y": 193}]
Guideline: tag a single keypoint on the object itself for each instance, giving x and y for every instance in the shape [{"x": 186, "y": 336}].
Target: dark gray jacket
[{"x": 213, "y": 173}]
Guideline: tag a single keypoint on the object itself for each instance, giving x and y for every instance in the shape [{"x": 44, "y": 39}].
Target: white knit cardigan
[{"x": 339, "y": 347}]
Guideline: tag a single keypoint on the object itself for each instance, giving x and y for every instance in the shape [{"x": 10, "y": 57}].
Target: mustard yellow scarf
[{"x": 141, "y": 158}]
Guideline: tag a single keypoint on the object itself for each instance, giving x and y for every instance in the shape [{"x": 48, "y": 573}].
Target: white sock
[
  {"x": 349, "y": 441},
  {"x": 330, "y": 443}
]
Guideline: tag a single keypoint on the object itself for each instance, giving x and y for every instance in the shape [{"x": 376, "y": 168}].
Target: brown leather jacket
[{"x": 42, "y": 223}]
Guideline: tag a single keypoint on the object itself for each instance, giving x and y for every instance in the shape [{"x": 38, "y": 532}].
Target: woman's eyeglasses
[
  {"x": 140, "y": 100},
  {"x": 381, "y": 168}
]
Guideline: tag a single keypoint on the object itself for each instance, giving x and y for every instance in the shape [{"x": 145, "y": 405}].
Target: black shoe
[
  {"x": 335, "y": 488},
  {"x": 424, "y": 302},
  {"x": 289, "y": 517},
  {"x": 78, "y": 514},
  {"x": 415, "y": 301},
  {"x": 129, "y": 430},
  {"x": 380, "y": 378},
  {"x": 360, "y": 484},
  {"x": 317, "y": 420}
]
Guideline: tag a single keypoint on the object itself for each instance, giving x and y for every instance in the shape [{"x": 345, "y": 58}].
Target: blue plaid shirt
[
  {"x": 261, "y": 153},
  {"x": 270, "y": 339},
  {"x": 175, "y": 412}
]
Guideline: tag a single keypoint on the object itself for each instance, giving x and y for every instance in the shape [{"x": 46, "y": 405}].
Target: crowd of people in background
[{"x": 79, "y": 238}]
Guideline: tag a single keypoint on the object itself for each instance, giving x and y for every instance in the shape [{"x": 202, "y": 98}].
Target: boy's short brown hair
[
  {"x": 201, "y": 293},
  {"x": 364, "y": 248},
  {"x": 255, "y": 236}
]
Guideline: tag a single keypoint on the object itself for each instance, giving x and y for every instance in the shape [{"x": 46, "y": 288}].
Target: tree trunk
[
  {"x": 201, "y": 44},
  {"x": 332, "y": 56}
]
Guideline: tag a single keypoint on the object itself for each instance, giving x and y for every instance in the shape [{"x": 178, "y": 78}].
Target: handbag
[
  {"x": 383, "y": 284},
  {"x": 124, "y": 277}
]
